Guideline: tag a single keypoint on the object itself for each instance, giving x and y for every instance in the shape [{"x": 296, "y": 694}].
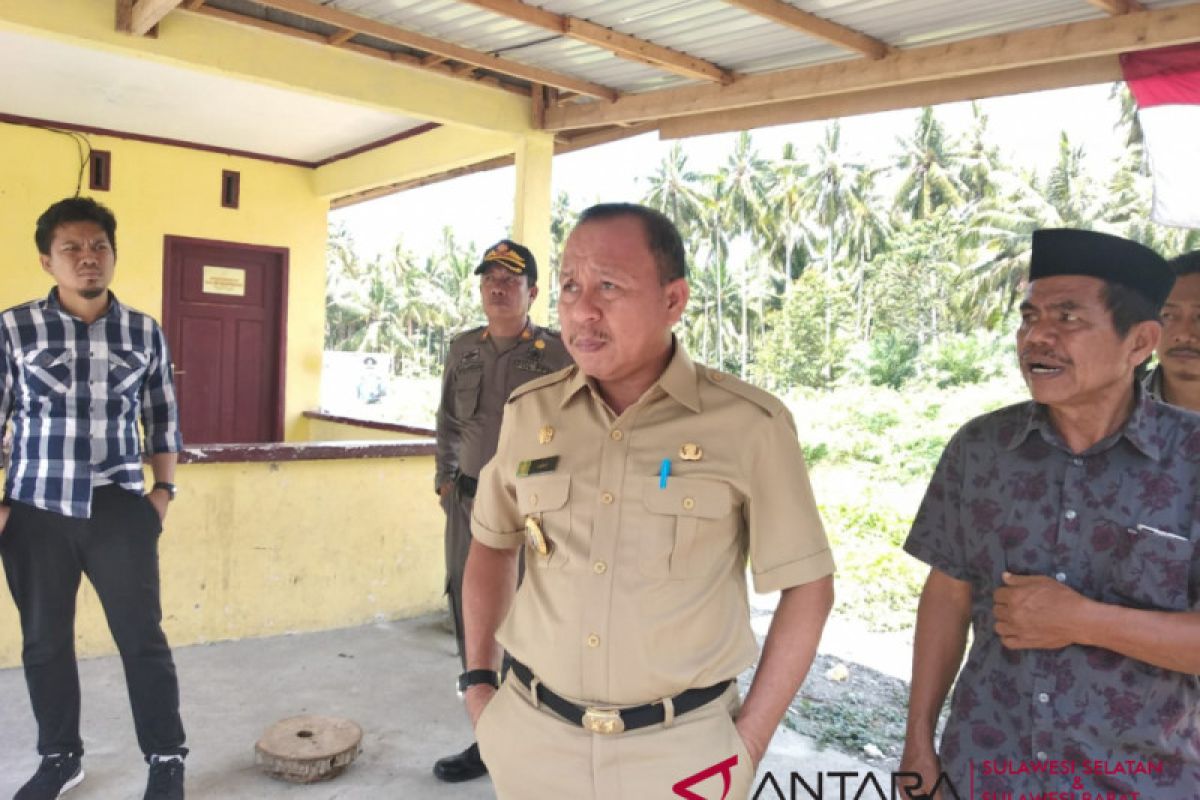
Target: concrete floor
[{"x": 394, "y": 679}]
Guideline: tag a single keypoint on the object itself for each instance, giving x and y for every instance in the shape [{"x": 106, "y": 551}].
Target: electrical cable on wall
[{"x": 81, "y": 142}]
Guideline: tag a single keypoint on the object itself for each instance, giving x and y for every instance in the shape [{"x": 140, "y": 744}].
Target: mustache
[
  {"x": 1031, "y": 354},
  {"x": 587, "y": 333}
]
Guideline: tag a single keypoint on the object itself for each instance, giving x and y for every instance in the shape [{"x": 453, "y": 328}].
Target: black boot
[{"x": 464, "y": 766}]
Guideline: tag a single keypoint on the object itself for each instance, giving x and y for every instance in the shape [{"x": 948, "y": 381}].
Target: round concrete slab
[{"x": 308, "y": 748}]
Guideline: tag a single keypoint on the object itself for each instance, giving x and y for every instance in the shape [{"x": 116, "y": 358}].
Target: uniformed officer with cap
[
  {"x": 1062, "y": 533},
  {"x": 483, "y": 367},
  {"x": 1176, "y": 379},
  {"x": 639, "y": 483}
]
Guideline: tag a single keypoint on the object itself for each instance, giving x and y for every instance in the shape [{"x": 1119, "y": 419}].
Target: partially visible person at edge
[
  {"x": 638, "y": 484},
  {"x": 482, "y": 368},
  {"x": 80, "y": 371},
  {"x": 1176, "y": 379},
  {"x": 1063, "y": 533}
]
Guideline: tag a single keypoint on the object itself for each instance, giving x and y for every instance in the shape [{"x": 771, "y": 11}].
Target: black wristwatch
[
  {"x": 476, "y": 676},
  {"x": 169, "y": 488}
]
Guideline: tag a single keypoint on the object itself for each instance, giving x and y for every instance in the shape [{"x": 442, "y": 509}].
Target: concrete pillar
[{"x": 531, "y": 210}]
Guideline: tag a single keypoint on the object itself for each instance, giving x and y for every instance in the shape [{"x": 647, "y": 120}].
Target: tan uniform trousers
[{"x": 533, "y": 754}]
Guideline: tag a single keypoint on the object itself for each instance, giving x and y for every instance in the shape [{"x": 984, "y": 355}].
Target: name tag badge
[{"x": 537, "y": 466}]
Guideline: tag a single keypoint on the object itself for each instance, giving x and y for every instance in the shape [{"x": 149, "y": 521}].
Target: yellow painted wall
[
  {"x": 159, "y": 190},
  {"x": 260, "y": 549},
  {"x": 323, "y": 430}
]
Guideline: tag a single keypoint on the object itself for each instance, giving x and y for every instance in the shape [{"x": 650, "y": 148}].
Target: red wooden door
[{"x": 224, "y": 312}]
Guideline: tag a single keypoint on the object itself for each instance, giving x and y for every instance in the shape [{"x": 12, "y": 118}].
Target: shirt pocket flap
[
  {"x": 542, "y": 493},
  {"x": 127, "y": 359},
  {"x": 1153, "y": 569},
  {"x": 688, "y": 497}
]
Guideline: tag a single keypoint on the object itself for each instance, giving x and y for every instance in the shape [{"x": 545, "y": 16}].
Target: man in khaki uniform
[
  {"x": 483, "y": 367},
  {"x": 639, "y": 482},
  {"x": 1176, "y": 379}
]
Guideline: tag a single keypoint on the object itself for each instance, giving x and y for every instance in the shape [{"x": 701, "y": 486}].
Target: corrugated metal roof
[{"x": 712, "y": 30}]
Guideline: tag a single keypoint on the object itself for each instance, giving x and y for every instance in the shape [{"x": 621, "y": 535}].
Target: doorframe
[{"x": 171, "y": 244}]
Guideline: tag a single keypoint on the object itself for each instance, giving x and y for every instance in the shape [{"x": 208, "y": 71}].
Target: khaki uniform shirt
[
  {"x": 478, "y": 378},
  {"x": 643, "y": 594}
]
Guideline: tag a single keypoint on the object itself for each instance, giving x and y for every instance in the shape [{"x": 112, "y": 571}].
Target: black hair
[
  {"x": 1128, "y": 307},
  {"x": 662, "y": 237},
  {"x": 1186, "y": 264},
  {"x": 73, "y": 209}
]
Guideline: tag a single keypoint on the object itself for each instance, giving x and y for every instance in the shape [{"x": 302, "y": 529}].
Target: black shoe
[
  {"x": 464, "y": 766},
  {"x": 166, "y": 778},
  {"x": 55, "y": 776}
]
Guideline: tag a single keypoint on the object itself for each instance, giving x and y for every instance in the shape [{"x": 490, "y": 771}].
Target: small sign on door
[{"x": 224, "y": 280}]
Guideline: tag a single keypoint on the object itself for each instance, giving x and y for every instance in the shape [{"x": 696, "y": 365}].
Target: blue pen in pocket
[{"x": 663, "y": 472}]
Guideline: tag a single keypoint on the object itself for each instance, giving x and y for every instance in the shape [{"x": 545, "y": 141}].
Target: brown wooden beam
[
  {"x": 622, "y": 44},
  {"x": 1118, "y": 7},
  {"x": 561, "y": 146},
  {"x": 787, "y": 14},
  {"x": 397, "y": 35},
  {"x": 1101, "y": 69},
  {"x": 192, "y": 5},
  {"x": 138, "y": 17},
  {"x": 404, "y": 59},
  {"x": 1049, "y": 45},
  {"x": 341, "y": 37}
]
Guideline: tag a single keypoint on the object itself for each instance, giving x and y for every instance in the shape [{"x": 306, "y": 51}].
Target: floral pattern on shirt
[{"x": 1117, "y": 523}]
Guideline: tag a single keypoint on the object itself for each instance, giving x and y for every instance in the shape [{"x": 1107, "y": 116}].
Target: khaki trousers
[{"x": 533, "y": 754}]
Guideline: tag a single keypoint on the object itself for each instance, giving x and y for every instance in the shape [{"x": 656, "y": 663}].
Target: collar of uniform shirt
[
  {"x": 678, "y": 381},
  {"x": 1141, "y": 429}
]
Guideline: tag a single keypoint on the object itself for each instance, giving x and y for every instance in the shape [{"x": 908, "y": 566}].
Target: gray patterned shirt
[{"x": 1117, "y": 523}]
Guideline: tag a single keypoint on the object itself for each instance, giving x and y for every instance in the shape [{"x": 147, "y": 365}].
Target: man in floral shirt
[{"x": 1063, "y": 532}]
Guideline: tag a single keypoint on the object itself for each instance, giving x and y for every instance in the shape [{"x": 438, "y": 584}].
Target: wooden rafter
[
  {"x": 622, "y": 44},
  {"x": 341, "y": 37},
  {"x": 192, "y": 5},
  {"x": 139, "y": 16},
  {"x": 787, "y": 14},
  {"x": 1048, "y": 45},
  {"x": 415, "y": 62},
  {"x": 1102, "y": 69},
  {"x": 397, "y": 35},
  {"x": 1118, "y": 7}
]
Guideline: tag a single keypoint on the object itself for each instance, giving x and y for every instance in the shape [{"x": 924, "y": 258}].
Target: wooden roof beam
[
  {"x": 407, "y": 60},
  {"x": 1164, "y": 27},
  {"x": 787, "y": 14},
  {"x": 1118, "y": 7},
  {"x": 192, "y": 5},
  {"x": 139, "y": 16},
  {"x": 392, "y": 33},
  {"x": 622, "y": 44}
]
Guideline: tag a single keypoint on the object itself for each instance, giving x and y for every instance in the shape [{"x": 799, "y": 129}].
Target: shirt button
[
  {"x": 1043, "y": 698},
  {"x": 1077, "y": 462},
  {"x": 1070, "y": 513},
  {"x": 1061, "y": 577},
  {"x": 599, "y": 568},
  {"x": 593, "y": 641},
  {"x": 689, "y": 503},
  {"x": 533, "y": 499},
  {"x": 616, "y": 436},
  {"x": 606, "y": 498}
]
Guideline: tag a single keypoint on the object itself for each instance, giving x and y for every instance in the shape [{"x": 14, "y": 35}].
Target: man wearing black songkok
[{"x": 1062, "y": 532}]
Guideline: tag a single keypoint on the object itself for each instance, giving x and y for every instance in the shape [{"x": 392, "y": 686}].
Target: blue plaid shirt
[{"x": 74, "y": 393}]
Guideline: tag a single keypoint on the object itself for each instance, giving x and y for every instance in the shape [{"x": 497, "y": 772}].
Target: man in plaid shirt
[{"x": 79, "y": 371}]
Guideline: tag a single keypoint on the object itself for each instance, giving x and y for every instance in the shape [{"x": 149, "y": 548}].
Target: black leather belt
[
  {"x": 617, "y": 720},
  {"x": 467, "y": 485}
]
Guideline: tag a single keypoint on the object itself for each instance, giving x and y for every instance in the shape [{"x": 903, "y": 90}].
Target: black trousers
[{"x": 44, "y": 554}]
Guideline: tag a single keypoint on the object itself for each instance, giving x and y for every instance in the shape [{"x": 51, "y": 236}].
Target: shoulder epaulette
[
  {"x": 470, "y": 333},
  {"x": 541, "y": 383},
  {"x": 759, "y": 397}
]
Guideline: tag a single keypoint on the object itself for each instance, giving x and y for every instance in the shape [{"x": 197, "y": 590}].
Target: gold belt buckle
[{"x": 603, "y": 720}]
